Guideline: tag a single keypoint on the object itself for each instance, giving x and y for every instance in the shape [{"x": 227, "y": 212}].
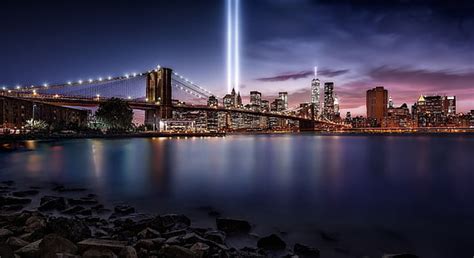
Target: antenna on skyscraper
[{"x": 315, "y": 72}]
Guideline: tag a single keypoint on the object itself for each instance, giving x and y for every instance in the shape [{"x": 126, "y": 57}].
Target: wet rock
[
  {"x": 5, "y": 233},
  {"x": 216, "y": 236},
  {"x": 271, "y": 242},
  {"x": 174, "y": 233},
  {"x": 124, "y": 209},
  {"x": 233, "y": 226},
  {"x": 73, "y": 210},
  {"x": 70, "y": 228},
  {"x": 15, "y": 207},
  {"x": 175, "y": 251},
  {"x": 150, "y": 244},
  {"x": 30, "y": 250},
  {"x": 82, "y": 201},
  {"x": 16, "y": 242},
  {"x": 248, "y": 252},
  {"x": 49, "y": 203},
  {"x": 5, "y": 200},
  {"x": 113, "y": 245},
  {"x": 34, "y": 223},
  {"x": 6, "y": 251},
  {"x": 169, "y": 222},
  {"x": 305, "y": 251},
  {"x": 25, "y": 193},
  {"x": 399, "y": 256},
  {"x": 53, "y": 244},
  {"x": 200, "y": 249},
  {"x": 99, "y": 252},
  {"x": 148, "y": 233},
  {"x": 128, "y": 252}
]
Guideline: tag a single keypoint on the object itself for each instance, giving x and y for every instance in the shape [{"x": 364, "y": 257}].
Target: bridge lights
[
  {"x": 109, "y": 78},
  {"x": 100, "y": 79},
  {"x": 98, "y": 96},
  {"x": 146, "y": 99},
  {"x": 126, "y": 75},
  {"x": 134, "y": 74},
  {"x": 34, "y": 93},
  {"x": 56, "y": 96},
  {"x": 4, "y": 88},
  {"x": 44, "y": 84},
  {"x": 129, "y": 97},
  {"x": 18, "y": 87},
  {"x": 69, "y": 83},
  {"x": 80, "y": 81},
  {"x": 90, "y": 80}
]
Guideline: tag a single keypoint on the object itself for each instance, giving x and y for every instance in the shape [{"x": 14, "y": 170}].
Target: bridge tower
[{"x": 158, "y": 91}]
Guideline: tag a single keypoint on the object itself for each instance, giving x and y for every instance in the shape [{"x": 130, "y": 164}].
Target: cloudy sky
[{"x": 411, "y": 47}]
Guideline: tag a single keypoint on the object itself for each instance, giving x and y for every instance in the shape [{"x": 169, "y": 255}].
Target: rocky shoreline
[{"x": 63, "y": 226}]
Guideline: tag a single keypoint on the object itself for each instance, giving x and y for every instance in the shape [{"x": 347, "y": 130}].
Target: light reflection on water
[{"x": 419, "y": 187}]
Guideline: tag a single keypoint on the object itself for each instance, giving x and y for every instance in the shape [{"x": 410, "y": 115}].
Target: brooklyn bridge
[{"x": 156, "y": 92}]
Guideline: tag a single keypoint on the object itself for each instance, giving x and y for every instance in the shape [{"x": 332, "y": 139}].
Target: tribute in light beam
[{"x": 233, "y": 45}]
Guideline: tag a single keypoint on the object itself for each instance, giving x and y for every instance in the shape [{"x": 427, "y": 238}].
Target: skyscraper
[
  {"x": 336, "y": 105},
  {"x": 315, "y": 93},
  {"x": 377, "y": 103},
  {"x": 328, "y": 110},
  {"x": 255, "y": 98},
  {"x": 284, "y": 97}
]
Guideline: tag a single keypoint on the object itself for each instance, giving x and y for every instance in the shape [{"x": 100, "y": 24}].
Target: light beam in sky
[{"x": 233, "y": 45}]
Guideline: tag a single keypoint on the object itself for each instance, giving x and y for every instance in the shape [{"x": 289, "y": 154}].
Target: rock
[
  {"x": 174, "y": 233},
  {"x": 150, "y": 244},
  {"x": 61, "y": 189},
  {"x": 113, "y": 245},
  {"x": 4, "y": 233},
  {"x": 124, "y": 210},
  {"x": 82, "y": 201},
  {"x": 8, "y": 182},
  {"x": 128, "y": 252},
  {"x": 49, "y": 203},
  {"x": 70, "y": 228},
  {"x": 16, "y": 242},
  {"x": 53, "y": 244},
  {"x": 34, "y": 223},
  {"x": 25, "y": 193},
  {"x": 29, "y": 251},
  {"x": 233, "y": 226},
  {"x": 14, "y": 207},
  {"x": 271, "y": 242},
  {"x": 200, "y": 249},
  {"x": 73, "y": 210},
  {"x": 99, "y": 253},
  {"x": 148, "y": 233},
  {"x": 5, "y": 200},
  {"x": 305, "y": 251},
  {"x": 175, "y": 251},
  {"x": 6, "y": 251},
  {"x": 216, "y": 236}
]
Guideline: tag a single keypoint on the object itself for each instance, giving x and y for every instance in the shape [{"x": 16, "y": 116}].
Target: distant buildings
[
  {"x": 376, "y": 104},
  {"x": 212, "y": 101},
  {"x": 328, "y": 109},
  {"x": 316, "y": 94},
  {"x": 284, "y": 97},
  {"x": 434, "y": 111}
]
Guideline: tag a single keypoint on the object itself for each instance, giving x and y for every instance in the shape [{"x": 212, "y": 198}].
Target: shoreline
[{"x": 72, "y": 222}]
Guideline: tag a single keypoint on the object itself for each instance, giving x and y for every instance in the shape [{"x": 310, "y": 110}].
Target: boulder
[
  {"x": 6, "y": 251},
  {"x": 6, "y": 200},
  {"x": 16, "y": 242},
  {"x": 25, "y": 193},
  {"x": 128, "y": 252},
  {"x": 70, "y": 228},
  {"x": 305, "y": 251},
  {"x": 53, "y": 244},
  {"x": 49, "y": 203},
  {"x": 113, "y": 245},
  {"x": 30, "y": 250},
  {"x": 216, "y": 236},
  {"x": 175, "y": 251},
  {"x": 150, "y": 244},
  {"x": 123, "y": 210},
  {"x": 5, "y": 233},
  {"x": 99, "y": 252},
  {"x": 13, "y": 207},
  {"x": 34, "y": 223},
  {"x": 271, "y": 242},
  {"x": 200, "y": 249},
  {"x": 148, "y": 233},
  {"x": 233, "y": 226}
]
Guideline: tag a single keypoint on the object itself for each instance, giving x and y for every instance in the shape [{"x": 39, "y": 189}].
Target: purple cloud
[{"x": 300, "y": 75}]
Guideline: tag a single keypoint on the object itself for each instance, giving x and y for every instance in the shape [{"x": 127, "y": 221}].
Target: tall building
[
  {"x": 328, "y": 110},
  {"x": 336, "y": 106},
  {"x": 238, "y": 100},
  {"x": 284, "y": 97},
  {"x": 255, "y": 98},
  {"x": 230, "y": 100},
  {"x": 212, "y": 101},
  {"x": 390, "y": 102},
  {"x": 265, "y": 105},
  {"x": 315, "y": 93},
  {"x": 377, "y": 103},
  {"x": 430, "y": 111},
  {"x": 450, "y": 105}
]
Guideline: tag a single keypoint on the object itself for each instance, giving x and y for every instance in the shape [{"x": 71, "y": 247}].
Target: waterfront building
[
  {"x": 449, "y": 105},
  {"x": 430, "y": 111},
  {"x": 328, "y": 110},
  {"x": 336, "y": 106},
  {"x": 390, "y": 102},
  {"x": 284, "y": 97},
  {"x": 238, "y": 101},
  {"x": 471, "y": 119},
  {"x": 376, "y": 104},
  {"x": 230, "y": 100},
  {"x": 315, "y": 94},
  {"x": 397, "y": 117},
  {"x": 212, "y": 101},
  {"x": 14, "y": 113},
  {"x": 277, "y": 105},
  {"x": 255, "y": 98},
  {"x": 265, "y": 105}
]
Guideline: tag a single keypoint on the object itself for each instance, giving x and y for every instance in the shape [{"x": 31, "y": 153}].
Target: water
[{"x": 372, "y": 194}]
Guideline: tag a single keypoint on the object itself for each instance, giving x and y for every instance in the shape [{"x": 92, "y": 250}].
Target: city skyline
[{"x": 277, "y": 58}]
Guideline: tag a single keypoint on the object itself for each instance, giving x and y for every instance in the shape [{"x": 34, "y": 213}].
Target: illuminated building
[
  {"x": 277, "y": 105},
  {"x": 336, "y": 106},
  {"x": 390, "y": 102},
  {"x": 284, "y": 97},
  {"x": 316, "y": 93},
  {"x": 397, "y": 117},
  {"x": 449, "y": 105},
  {"x": 255, "y": 98},
  {"x": 376, "y": 103},
  {"x": 430, "y": 111},
  {"x": 238, "y": 100},
  {"x": 230, "y": 100},
  {"x": 328, "y": 110},
  {"x": 265, "y": 105},
  {"x": 212, "y": 101}
]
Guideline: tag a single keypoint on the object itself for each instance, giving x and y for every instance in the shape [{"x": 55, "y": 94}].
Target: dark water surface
[{"x": 348, "y": 195}]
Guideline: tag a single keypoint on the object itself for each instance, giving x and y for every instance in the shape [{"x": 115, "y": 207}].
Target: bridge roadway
[{"x": 142, "y": 105}]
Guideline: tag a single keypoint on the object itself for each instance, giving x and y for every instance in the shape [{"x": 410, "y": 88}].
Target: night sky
[{"x": 410, "y": 47}]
